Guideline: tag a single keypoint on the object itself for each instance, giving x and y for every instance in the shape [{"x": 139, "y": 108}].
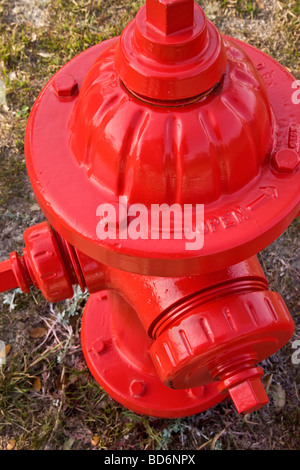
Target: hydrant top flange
[{"x": 92, "y": 138}]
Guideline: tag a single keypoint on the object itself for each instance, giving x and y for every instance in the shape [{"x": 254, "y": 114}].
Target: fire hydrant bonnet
[{"x": 219, "y": 149}]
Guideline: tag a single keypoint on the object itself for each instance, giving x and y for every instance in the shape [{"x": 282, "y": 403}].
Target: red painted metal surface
[
  {"x": 171, "y": 112},
  {"x": 52, "y": 265},
  {"x": 116, "y": 348},
  {"x": 182, "y": 344},
  {"x": 193, "y": 332},
  {"x": 109, "y": 143},
  {"x": 170, "y": 52}
]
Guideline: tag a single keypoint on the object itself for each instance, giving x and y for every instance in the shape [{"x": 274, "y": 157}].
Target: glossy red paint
[
  {"x": 170, "y": 17},
  {"x": 208, "y": 330},
  {"x": 167, "y": 55},
  {"x": 170, "y": 112},
  {"x": 217, "y": 151},
  {"x": 125, "y": 366},
  {"x": 52, "y": 265}
]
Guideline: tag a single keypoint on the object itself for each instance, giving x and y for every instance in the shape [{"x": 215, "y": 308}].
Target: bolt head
[
  {"x": 286, "y": 160},
  {"x": 248, "y": 396},
  {"x": 99, "y": 346},
  {"x": 170, "y": 16},
  {"x": 65, "y": 86},
  {"x": 137, "y": 388}
]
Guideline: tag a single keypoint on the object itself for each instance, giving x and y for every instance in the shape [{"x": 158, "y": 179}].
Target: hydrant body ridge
[{"x": 171, "y": 114}]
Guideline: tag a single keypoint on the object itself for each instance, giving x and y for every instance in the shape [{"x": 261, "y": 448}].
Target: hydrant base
[{"x": 119, "y": 372}]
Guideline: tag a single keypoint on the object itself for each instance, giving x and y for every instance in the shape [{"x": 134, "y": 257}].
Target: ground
[{"x": 48, "y": 398}]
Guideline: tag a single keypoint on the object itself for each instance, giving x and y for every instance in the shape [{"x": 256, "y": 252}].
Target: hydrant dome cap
[
  {"x": 186, "y": 154},
  {"x": 170, "y": 66}
]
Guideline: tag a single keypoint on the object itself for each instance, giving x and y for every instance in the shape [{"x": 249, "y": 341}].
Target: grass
[{"x": 48, "y": 399}]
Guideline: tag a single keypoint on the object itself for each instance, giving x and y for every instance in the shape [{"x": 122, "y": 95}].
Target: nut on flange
[
  {"x": 286, "y": 160},
  {"x": 65, "y": 86}
]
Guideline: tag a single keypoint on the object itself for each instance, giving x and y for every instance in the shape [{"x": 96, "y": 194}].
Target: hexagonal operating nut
[
  {"x": 170, "y": 16},
  {"x": 248, "y": 396},
  {"x": 286, "y": 160}
]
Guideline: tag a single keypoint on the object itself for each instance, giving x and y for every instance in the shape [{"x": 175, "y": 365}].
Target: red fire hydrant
[{"x": 174, "y": 115}]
